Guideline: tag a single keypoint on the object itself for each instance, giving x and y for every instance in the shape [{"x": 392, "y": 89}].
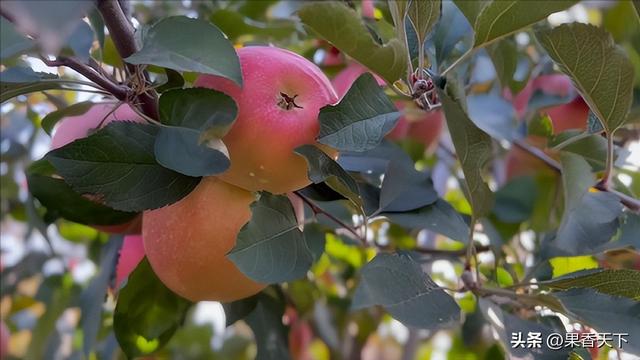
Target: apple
[
  {"x": 572, "y": 115},
  {"x": 186, "y": 242},
  {"x": 278, "y": 108},
  {"x": 131, "y": 253},
  {"x": 99, "y": 115}
]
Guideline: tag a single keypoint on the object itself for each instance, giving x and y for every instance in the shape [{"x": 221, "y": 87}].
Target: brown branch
[
  {"x": 440, "y": 252},
  {"x": 122, "y": 34},
  {"x": 628, "y": 201},
  {"x": 318, "y": 210},
  {"x": 119, "y": 91}
]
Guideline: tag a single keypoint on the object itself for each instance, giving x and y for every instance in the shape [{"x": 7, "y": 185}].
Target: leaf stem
[
  {"x": 318, "y": 210},
  {"x": 458, "y": 61},
  {"x": 571, "y": 140},
  {"x": 605, "y": 182}
]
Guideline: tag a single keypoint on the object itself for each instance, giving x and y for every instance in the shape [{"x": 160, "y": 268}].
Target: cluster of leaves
[{"x": 362, "y": 252}]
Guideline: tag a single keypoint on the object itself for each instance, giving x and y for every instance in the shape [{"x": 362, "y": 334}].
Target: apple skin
[
  {"x": 345, "y": 78},
  {"x": 76, "y": 127},
  {"x": 572, "y": 115},
  {"x": 131, "y": 253},
  {"x": 186, "y": 242},
  {"x": 79, "y": 126},
  {"x": 262, "y": 140}
]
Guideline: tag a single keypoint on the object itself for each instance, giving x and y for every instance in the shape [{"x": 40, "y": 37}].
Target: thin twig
[
  {"x": 442, "y": 252},
  {"x": 318, "y": 210},
  {"x": 119, "y": 91}
]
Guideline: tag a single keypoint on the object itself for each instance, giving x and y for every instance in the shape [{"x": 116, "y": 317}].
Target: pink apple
[
  {"x": 99, "y": 115},
  {"x": 278, "y": 108},
  {"x": 131, "y": 254}
]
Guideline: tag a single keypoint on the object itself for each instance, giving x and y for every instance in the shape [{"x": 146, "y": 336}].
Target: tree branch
[
  {"x": 119, "y": 91},
  {"x": 122, "y": 34},
  {"x": 628, "y": 201}
]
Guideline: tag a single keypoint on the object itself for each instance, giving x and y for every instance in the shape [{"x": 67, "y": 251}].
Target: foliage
[{"x": 521, "y": 215}]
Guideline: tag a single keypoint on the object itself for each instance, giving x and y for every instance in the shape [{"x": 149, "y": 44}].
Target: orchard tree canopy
[{"x": 355, "y": 179}]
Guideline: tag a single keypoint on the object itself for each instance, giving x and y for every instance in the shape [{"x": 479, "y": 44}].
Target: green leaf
[
  {"x": 471, "y": 8},
  {"x": 622, "y": 282},
  {"x": 117, "y": 164},
  {"x": 540, "y": 126},
  {"x": 515, "y": 201},
  {"x": 199, "y": 118},
  {"x": 605, "y": 313},
  {"x": 52, "y": 118},
  {"x": 59, "y": 292},
  {"x": 590, "y": 218},
  {"x": 404, "y": 188},
  {"x": 343, "y": 27},
  {"x": 473, "y": 147},
  {"x": 147, "y": 313},
  {"x": 360, "y": 120},
  {"x": 271, "y": 248},
  {"x": 174, "y": 81},
  {"x": 424, "y": 15},
  {"x": 180, "y": 149},
  {"x": 81, "y": 40},
  {"x": 439, "y": 217},
  {"x": 18, "y": 81},
  {"x": 97, "y": 24},
  {"x": 501, "y": 18},
  {"x": 453, "y": 29},
  {"x": 507, "y": 325},
  {"x": 13, "y": 43},
  {"x": 563, "y": 265},
  {"x": 59, "y": 199},
  {"x": 270, "y": 333},
  {"x": 92, "y": 297},
  {"x": 506, "y": 58},
  {"x": 593, "y": 149},
  {"x": 239, "y": 309},
  {"x": 599, "y": 69},
  {"x": 198, "y": 108},
  {"x": 234, "y": 25},
  {"x": 493, "y": 114},
  {"x": 50, "y": 23},
  {"x": 397, "y": 283},
  {"x": 207, "y": 51},
  {"x": 322, "y": 168}
]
